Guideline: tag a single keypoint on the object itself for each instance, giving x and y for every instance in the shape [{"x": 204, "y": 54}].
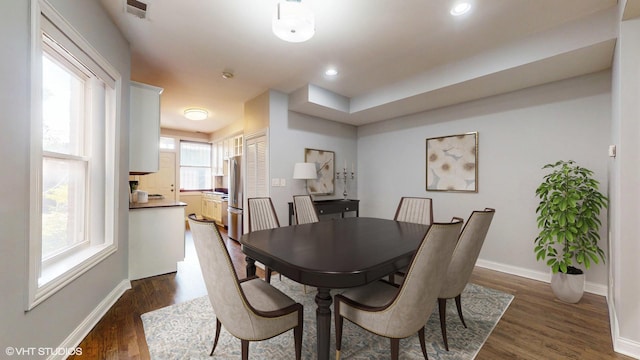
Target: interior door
[{"x": 162, "y": 182}]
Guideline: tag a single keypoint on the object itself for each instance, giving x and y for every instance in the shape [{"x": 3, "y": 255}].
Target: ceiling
[{"x": 393, "y": 57}]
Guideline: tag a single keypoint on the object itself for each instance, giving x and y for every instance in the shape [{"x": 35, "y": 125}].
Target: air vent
[{"x": 137, "y": 8}]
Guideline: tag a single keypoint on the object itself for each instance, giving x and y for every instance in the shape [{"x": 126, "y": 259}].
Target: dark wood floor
[{"x": 535, "y": 326}]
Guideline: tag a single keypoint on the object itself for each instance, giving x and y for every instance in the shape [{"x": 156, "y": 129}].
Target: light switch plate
[
  {"x": 275, "y": 182},
  {"x": 612, "y": 150},
  {"x": 283, "y": 182}
]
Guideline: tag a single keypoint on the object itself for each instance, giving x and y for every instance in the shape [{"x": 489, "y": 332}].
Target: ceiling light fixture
[
  {"x": 331, "y": 72},
  {"x": 460, "y": 8},
  {"x": 196, "y": 114},
  {"x": 293, "y": 21},
  {"x": 227, "y": 75}
]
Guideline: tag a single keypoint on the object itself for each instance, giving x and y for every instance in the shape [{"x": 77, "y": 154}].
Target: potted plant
[{"x": 570, "y": 204}]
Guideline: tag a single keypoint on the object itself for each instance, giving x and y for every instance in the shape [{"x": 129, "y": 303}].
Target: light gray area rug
[{"x": 186, "y": 331}]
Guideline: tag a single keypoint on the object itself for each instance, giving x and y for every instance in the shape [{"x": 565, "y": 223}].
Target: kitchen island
[{"x": 156, "y": 237}]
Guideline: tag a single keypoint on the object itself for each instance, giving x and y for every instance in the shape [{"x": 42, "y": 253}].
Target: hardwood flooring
[{"x": 535, "y": 326}]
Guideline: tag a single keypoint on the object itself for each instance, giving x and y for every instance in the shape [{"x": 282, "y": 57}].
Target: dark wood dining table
[{"x": 334, "y": 254}]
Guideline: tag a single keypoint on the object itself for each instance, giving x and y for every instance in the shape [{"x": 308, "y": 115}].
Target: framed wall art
[
  {"x": 324, "y": 160},
  {"x": 452, "y": 163}
]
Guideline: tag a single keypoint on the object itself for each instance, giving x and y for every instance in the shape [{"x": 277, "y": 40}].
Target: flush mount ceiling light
[
  {"x": 196, "y": 114},
  {"x": 293, "y": 21},
  {"x": 331, "y": 72},
  {"x": 460, "y": 8}
]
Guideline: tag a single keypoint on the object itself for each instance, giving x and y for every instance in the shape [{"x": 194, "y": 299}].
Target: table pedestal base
[{"x": 323, "y": 322}]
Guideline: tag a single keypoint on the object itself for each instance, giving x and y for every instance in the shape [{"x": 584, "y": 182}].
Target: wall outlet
[{"x": 612, "y": 150}]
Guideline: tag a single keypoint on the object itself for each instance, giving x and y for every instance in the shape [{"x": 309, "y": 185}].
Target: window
[
  {"x": 195, "y": 166},
  {"x": 73, "y": 156},
  {"x": 167, "y": 143}
]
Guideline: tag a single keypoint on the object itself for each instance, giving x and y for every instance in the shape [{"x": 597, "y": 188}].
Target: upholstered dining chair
[
  {"x": 399, "y": 311},
  {"x": 250, "y": 309},
  {"x": 415, "y": 210},
  {"x": 463, "y": 260},
  {"x": 304, "y": 209},
  {"x": 262, "y": 216}
]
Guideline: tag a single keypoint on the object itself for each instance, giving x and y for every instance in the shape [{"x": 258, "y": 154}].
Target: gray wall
[
  {"x": 289, "y": 134},
  {"x": 624, "y": 290},
  {"x": 57, "y": 317},
  {"x": 519, "y": 132}
]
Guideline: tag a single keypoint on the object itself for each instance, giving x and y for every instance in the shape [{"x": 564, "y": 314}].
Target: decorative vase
[{"x": 568, "y": 288}]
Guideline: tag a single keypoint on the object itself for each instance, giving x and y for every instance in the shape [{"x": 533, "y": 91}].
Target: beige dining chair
[
  {"x": 399, "y": 311},
  {"x": 262, "y": 216},
  {"x": 462, "y": 263},
  {"x": 304, "y": 209},
  {"x": 415, "y": 210},
  {"x": 249, "y": 309}
]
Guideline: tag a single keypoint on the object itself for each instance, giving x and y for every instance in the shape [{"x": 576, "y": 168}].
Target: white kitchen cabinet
[
  {"x": 156, "y": 240},
  {"x": 144, "y": 128},
  {"x": 212, "y": 207}
]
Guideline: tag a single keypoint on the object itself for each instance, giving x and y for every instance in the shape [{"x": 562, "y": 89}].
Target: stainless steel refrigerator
[{"x": 235, "y": 198}]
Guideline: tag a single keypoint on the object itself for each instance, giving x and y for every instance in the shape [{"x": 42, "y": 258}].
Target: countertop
[{"x": 156, "y": 204}]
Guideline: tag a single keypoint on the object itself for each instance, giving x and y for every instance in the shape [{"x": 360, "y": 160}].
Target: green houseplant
[{"x": 570, "y": 204}]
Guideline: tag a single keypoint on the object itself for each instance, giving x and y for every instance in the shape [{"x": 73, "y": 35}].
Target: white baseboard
[
  {"x": 75, "y": 338},
  {"x": 589, "y": 287},
  {"x": 622, "y": 345}
]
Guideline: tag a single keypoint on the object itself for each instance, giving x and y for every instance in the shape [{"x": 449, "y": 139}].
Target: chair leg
[
  {"x": 267, "y": 275},
  {"x": 338, "y": 321},
  {"x": 459, "y": 306},
  {"x": 215, "y": 340},
  {"x": 395, "y": 348},
  {"x": 423, "y": 346},
  {"x": 297, "y": 334},
  {"x": 442, "y": 307},
  {"x": 245, "y": 349}
]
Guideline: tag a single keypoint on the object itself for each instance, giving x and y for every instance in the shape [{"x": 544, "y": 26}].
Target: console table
[{"x": 336, "y": 206}]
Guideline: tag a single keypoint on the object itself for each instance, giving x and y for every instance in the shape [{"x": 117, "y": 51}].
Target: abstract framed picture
[
  {"x": 452, "y": 163},
  {"x": 324, "y": 160}
]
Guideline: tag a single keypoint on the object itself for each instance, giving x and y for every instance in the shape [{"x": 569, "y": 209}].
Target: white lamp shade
[
  {"x": 293, "y": 22},
  {"x": 305, "y": 171}
]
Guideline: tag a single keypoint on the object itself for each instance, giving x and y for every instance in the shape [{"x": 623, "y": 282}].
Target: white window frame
[
  {"x": 210, "y": 167},
  {"x": 48, "y": 277}
]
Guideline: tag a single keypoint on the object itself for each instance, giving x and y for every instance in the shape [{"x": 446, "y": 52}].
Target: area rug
[{"x": 186, "y": 331}]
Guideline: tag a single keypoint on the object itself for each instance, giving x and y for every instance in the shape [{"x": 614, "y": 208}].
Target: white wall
[
  {"x": 519, "y": 132},
  {"x": 49, "y": 324},
  {"x": 289, "y": 134},
  {"x": 625, "y": 205}
]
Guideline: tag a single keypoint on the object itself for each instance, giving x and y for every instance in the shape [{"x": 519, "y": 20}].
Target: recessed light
[
  {"x": 460, "y": 8},
  {"x": 196, "y": 114},
  {"x": 331, "y": 72},
  {"x": 227, "y": 75}
]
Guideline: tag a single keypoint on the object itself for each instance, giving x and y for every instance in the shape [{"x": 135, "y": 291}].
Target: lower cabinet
[
  {"x": 212, "y": 208},
  {"x": 156, "y": 240}
]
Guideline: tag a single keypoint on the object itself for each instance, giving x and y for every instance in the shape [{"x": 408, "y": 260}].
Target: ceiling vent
[{"x": 137, "y": 8}]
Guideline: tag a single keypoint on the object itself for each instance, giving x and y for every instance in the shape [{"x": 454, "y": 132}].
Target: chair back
[
  {"x": 416, "y": 298},
  {"x": 415, "y": 210},
  {"x": 226, "y": 296},
  {"x": 466, "y": 253},
  {"x": 262, "y": 214},
  {"x": 304, "y": 209}
]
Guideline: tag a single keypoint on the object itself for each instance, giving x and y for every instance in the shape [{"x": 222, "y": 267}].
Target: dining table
[{"x": 334, "y": 254}]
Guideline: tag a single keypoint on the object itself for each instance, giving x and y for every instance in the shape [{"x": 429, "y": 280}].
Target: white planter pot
[{"x": 568, "y": 287}]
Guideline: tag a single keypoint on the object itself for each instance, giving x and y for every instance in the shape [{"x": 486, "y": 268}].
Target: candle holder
[{"x": 344, "y": 175}]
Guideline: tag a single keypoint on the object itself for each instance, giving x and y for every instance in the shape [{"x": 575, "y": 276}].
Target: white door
[
  {"x": 162, "y": 182},
  {"x": 256, "y": 167}
]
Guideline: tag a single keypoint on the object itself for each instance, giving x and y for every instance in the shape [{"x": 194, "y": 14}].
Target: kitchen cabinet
[
  {"x": 144, "y": 128},
  {"x": 212, "y": 207},
  {"x": 156, "y": 239}
]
